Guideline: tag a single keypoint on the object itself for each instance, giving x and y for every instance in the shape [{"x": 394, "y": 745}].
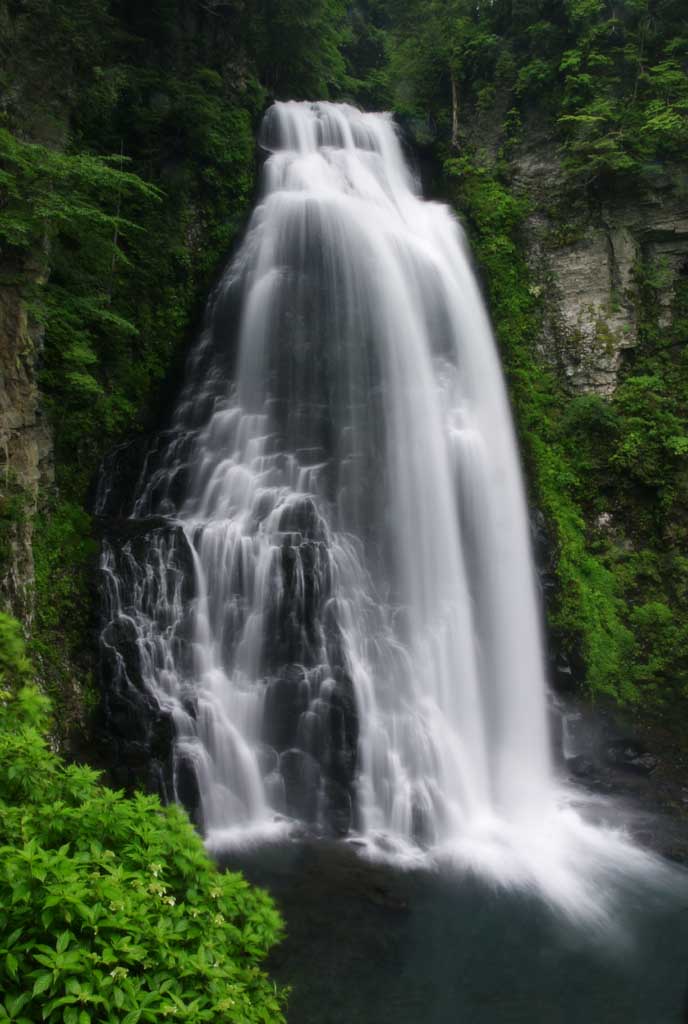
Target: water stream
[{"x": 331, "y": 594}]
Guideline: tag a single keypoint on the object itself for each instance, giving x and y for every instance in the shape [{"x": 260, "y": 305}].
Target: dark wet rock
[
  {"x": 275, "y": 792},
  {"x": 631, "y": 756},
  {"x": 336, "y": 808},
  {"x": 421, "y": 824},
  {"x": 141, "y": 548},
  {"x": 120, "y": 655},
  {"x": 130, "y": 529},
  {"x": 119, "y": 474},
  {"x": 312, "y": 731},
  {"x": 175, "y": 489},
  {"x": 158, "y": 780},
  {"x": 162, "y": 459},
  {"x": 190, "y": 704},
  {"x": 561, "y": 673},
  {"x": 566, "y": 667},
  {"x": 187, "y": 788},
  {"x": 565, "y": 664},
  {"x": 333, "y": 637},
  {"x": 310, "y": 456},
  {"x": 301, "y": 774},
  {"x": 339, "y": 751},
  {"x": 316, "y": 580},
  {"x": 556, "y": 731},
  {"x": 343, "y": 699},
  {"x": 286, "y": 699},
  {"x": 312, "y": 720},
  {"x": 162, "y": 735},
  {"x": 295, "y": 612},
  {"x": 128, "y": 718},
  {"x": 268, "y": 759},
  {"x": 541, "y": 540},
  {"x": 302, "y": 516},
  {"x": 581, "y": 767}
]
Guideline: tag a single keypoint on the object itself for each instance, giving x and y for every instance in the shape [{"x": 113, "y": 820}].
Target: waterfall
[{"x": 327, "y": 586}]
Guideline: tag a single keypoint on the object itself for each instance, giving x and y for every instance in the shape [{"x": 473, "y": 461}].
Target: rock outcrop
[
  {"x": 586, "y": 262},
  {"x": 25, "y": 440}
]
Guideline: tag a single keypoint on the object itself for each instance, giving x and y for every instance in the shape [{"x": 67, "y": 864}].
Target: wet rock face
[
  {"x": 630, "y": 755},
  {"x": 599, "y": 748},
  {"x": 565, "y": 666},
  {"x": 309, "y": 732},
  {"x": 586, "y": 262},
  {"x": 137, "y": 732},
  {"x": 26, "y": 445}
]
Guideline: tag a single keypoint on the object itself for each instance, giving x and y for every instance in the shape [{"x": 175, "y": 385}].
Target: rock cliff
[
  {"x": 25, "y": 439},
  {"x": 585, "y": 258}
]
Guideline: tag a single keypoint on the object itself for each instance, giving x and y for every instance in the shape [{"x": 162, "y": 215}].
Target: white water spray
[{"x": 361, "y": 645}]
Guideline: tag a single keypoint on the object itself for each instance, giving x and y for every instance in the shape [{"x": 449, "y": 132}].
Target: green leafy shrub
[
  {"x": 64, "y": 553},
  {"x": 15, "y": 504},
  {"x": 110, "y": 910},
  {"x": 661, "y": 645},
  {"x": 15, "y": 667}
]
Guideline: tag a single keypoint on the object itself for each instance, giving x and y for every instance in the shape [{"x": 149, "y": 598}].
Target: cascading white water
[{"x": 359, "y": 646}]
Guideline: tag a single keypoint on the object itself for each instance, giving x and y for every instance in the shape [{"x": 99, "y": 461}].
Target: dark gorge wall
[
  {"x": 127, "y": 145},
  {"x": 560, "y": 148}
]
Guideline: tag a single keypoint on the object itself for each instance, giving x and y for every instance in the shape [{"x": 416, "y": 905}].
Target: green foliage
[
  {"x": 366, "y": 54},
  {"x": 651, "y": 433},
  {"x": 660, "y": 654},
  {"x": 64, "y": 564},
  {"x": 298, "y": 46},
  {"x": 70, "y": 205},
  {"x": 625, "y": 96},
  {"x": 47, "y": 192},
  {"x": 434, "y": 43},
  {"x": 611, "y": 76},
  {"x": 15, "y": 667},
  {"x": 631, "y": 461},
  {"x": 14, "y": 509},
  {"x": 109, "y": 907},
  {"x": 114, "y": 330},
  {"x": 125, "y": 219}
]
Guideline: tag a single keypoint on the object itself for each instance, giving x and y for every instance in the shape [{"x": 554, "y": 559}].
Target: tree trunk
[
  {"x": 115, "y": 235},
  {"x": 455, "y": 112}
]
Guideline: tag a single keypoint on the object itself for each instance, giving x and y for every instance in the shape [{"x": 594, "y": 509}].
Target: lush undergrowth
[
  {"x": 110, "y": 909},
  {"x": 116, "y": 224}
]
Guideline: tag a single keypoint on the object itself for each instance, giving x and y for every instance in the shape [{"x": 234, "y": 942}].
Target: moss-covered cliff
[
  {"x": 556, "y": 130},
  {"x": 127, "y": 163}
]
